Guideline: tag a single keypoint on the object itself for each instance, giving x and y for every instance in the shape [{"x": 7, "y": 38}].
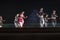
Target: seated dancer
[
  {"x": 16, "y": 21},
  {"x": 21, "y": 19},
  {"x": 53, "y": 17},
  {"x": 41, "y": 16}
]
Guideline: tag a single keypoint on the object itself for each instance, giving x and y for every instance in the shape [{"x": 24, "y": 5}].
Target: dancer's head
[
  {"x": 22, "y": 12},
  {"x": 17, "y": 15},
  {"x": 54, "y": 11},
  {"x": 41, "y": 10},
  {"x": 0, "y": 17}
]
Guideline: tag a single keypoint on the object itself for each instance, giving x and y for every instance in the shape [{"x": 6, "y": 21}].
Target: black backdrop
[{"x": 9, "y": 8}]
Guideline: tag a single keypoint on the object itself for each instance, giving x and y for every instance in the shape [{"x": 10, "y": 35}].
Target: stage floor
[
  {"x": 30, "y": 33},
  {"x": 30, "y": 30}
]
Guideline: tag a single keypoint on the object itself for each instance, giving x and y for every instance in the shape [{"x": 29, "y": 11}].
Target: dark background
[{"x": 9, "y": 8}]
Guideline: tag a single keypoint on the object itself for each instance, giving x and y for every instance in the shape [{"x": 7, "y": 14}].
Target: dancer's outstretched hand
[{"x": 26, "y": 16}]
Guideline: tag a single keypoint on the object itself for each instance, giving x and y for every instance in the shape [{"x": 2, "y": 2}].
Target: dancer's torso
[
  {"x": 53, "y": 17},
  {"x": 41, "y": 18},
  {"x": 21, "y": 18}
]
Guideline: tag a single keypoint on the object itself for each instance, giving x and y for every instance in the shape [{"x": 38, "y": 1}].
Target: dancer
[
  {"x": 46, "y": 20},
  {"x": 1, "y": 21},
  {"x": 21, "y": 19},
  {"x": 53, "y": 17},
  {"x": 41, "y": 16},
  {"x": 16, "y": 21}
]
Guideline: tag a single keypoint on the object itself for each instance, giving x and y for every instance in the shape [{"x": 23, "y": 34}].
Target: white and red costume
[{"x": 21, "y": 20}]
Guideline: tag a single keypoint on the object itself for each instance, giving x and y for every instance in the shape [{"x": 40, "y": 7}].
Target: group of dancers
[
  {"x": 19, "y": 18},
  {"x": 44, "y": 17}
]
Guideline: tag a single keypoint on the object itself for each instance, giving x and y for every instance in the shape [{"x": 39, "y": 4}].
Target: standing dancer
[
  {"x": 53, "y": 17},
  {"x": 21, "y": 19},
  {"x": 16, "y": 20},
  {"x": 46, "y": 20},
  {"x": 1, "y": 21},
  {"x": 41, "y": 16}
]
